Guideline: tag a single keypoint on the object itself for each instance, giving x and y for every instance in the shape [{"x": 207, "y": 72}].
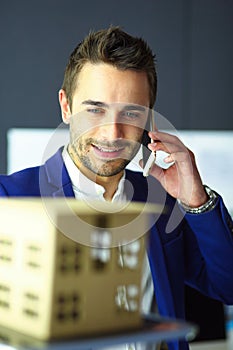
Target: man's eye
[
  {"x": 95, "y": 110},
  {"x": 130, "y": 115}
]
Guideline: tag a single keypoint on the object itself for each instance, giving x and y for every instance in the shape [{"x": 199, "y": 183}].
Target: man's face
[{"x": 109, "y": 112}]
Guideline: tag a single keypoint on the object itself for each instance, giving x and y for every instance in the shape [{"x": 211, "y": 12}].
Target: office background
[{"x": 191, "y": 38}]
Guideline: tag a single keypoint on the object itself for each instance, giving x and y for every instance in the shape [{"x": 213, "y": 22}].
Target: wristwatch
[{"x": 209, "y": 205}]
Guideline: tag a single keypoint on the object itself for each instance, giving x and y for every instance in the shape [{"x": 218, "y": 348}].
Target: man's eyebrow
[
  {"x": 131, "y": 107},
  {"x": 94, "y": 103},
  {"x": 134, "y": 108}
]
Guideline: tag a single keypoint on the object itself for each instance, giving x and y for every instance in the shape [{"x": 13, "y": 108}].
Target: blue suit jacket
[{"x": 198, "y": 250}]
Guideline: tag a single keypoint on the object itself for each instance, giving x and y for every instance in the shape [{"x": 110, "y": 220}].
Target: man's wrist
[{"x": 209, "y": 205}]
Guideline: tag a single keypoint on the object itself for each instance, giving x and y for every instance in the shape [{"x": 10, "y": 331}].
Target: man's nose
[{"x": 112, "y": 128}]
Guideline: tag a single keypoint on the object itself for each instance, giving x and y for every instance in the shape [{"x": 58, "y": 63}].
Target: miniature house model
[{"x": 69, "y": 269}]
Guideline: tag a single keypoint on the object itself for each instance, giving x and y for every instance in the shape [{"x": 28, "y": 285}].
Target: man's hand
[{"x": 182, "y": 179}]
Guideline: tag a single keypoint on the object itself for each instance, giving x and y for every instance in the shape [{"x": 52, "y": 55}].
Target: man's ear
[{"x": 65, "y": 108}]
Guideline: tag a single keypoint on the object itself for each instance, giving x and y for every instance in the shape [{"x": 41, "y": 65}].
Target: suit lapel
[
  {"x": 57, "y": 177},
  {"x": 159, "y": 272},
  {"x": 65, "y": 191}
]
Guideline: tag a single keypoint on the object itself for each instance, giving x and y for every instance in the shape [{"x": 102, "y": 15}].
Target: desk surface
[{"x": 154, "y": 330}]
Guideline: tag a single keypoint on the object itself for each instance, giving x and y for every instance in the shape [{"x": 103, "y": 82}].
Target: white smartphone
[{"x": 149, "y": 157}]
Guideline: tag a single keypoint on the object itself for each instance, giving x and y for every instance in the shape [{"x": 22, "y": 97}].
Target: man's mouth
[{"x": 109, "y": 152}]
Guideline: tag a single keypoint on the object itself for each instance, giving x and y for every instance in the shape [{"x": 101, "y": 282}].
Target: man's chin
[{"x": 108, "y": 169}]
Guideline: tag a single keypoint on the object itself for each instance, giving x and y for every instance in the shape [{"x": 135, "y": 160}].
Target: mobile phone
[{"x": 148, "y": 156}]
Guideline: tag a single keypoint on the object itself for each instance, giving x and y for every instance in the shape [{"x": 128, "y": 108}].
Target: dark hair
[{"x": 115, "y": 47}]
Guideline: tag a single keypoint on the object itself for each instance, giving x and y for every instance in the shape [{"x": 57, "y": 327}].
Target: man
[{"x": 107, "y": 95}]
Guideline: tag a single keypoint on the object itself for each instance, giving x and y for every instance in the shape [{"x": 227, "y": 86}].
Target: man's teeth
[{"x": 109, "y": 150}]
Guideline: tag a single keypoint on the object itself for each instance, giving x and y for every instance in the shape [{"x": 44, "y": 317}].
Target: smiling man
[{"x": 107, "y": 96}]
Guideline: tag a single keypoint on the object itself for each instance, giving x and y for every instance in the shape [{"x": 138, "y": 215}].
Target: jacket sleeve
[{"x": 210, "y": 234}]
